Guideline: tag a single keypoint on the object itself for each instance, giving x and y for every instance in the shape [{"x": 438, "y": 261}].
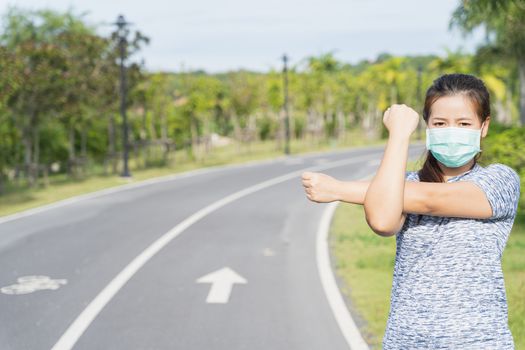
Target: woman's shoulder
[
  {"x": 501, "y": 167},
  {"x": 502, "y": 187},
  {"x": 501, "y": 171}
]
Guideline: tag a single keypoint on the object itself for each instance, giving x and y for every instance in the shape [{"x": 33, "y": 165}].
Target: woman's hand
[
  {"x": 400, "y": 120},
  {"x": 320, "y": 188}
]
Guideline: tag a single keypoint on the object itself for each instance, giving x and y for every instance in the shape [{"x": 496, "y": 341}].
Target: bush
[
  {"x": 507, "y": 146},
  {"x": 267, "y": 127}
]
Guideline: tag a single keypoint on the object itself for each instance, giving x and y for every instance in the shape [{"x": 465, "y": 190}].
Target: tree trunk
[
  {"x": 341, "y": 127},
  {"x": 194, "y": 136},
  {"x": 521, "y": 68},
  {"x": 83, "y": 142},
  {"x": 36, "y": 155},
  {"x": 153, "y": 136},
  {"x": 152, "y": 129},
  {"x": 2, "y": 189},
  {"x": 28, "y": 152},
  {"x": 144, "y": 137},
  {"x": 46, "y": 175},
  {"x": 509, "y": 104},
  {"x": 251, "y": 129},
  {"x": 207, "y": 132},
  {"x": 393, "y": 94},
  {"x": 111, "y": 146},
  {"x": 164, "y": 137},
  {"x": 83, "y": 150},
  {"x": 279, "y": 132},
  {"x": 71, "y": 168},
  {"x": 237, "y": 131}
]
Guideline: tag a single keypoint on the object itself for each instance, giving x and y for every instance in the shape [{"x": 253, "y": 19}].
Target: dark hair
[{"x": 449, "y": 85}]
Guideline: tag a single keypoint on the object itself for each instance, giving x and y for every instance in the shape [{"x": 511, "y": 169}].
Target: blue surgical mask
[{"x": 453, "y": 146}]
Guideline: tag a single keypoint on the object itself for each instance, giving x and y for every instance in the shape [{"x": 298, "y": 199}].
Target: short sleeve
[{"x": 501, "y": 185}]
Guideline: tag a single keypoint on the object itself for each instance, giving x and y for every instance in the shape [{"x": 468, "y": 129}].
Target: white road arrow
[{"x": 222, "y": 282}]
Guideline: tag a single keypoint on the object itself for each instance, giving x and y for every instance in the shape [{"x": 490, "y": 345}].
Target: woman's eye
[
  {"x": 466, "y": 124},
  {"x": 438, "y": 124}
]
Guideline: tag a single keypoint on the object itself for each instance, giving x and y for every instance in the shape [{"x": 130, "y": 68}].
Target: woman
[{"x": 451, "y": 220}]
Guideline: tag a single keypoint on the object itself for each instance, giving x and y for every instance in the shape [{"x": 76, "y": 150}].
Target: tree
[{"x": 504, "y": 23}]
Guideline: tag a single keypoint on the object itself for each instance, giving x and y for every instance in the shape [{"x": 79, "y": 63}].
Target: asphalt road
[{"x": 93, "y": 283}]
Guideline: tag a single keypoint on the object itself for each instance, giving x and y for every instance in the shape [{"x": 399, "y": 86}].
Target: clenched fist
[
  {"x": 320, "y": 188},
  {"x": 400, "y": 120}
]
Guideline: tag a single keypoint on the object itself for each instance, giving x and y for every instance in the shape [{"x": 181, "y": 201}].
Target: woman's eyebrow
[{"x": 458, "y": 118}]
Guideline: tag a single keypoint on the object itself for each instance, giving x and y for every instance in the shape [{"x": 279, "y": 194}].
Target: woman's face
[{"x": 455, "y": 111}]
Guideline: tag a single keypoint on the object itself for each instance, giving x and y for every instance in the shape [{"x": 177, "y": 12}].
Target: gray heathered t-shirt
[{"x": 448, "y": 290}]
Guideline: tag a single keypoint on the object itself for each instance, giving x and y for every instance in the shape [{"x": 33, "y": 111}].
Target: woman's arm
[
  {"x": 415, "y": 199},
  {"x": 384, "y": 198},
  {"x": 459, "y": 199}
]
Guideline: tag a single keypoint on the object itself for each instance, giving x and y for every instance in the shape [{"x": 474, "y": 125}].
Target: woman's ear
[{"x": 486, "y": 124}]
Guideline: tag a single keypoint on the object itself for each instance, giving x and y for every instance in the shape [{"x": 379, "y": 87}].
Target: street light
[
  {"x": 286, "y": 115},
  {"x": 122, "y": 33}
]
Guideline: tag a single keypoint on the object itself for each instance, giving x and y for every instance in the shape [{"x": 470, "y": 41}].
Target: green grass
[
  {"x": 513, "y": 263},
  {"x": 61, "y": 187},
  {"x": 364, "y": 262}
]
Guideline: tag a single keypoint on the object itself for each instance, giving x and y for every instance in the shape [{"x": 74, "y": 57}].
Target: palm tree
[{"x": 504, "y": 23}]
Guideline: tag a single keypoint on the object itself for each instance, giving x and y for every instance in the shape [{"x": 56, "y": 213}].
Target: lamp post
[
  {"x": 122, "y": 32},
  {"x": 286, "y": 115}
]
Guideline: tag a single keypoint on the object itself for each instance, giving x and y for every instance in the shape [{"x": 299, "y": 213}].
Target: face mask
[{"x": 453, "y": 146}]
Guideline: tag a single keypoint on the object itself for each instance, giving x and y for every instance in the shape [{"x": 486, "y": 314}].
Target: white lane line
[
  {"x": 345, "y": 321},
  {"x": 80, "y": 324}
]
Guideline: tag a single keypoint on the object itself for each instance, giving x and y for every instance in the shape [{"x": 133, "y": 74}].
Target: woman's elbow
[
  {"x": 380, "y": 227},
  {"x": 381, "y": 224},
  {"x": 375, "y": 221}
]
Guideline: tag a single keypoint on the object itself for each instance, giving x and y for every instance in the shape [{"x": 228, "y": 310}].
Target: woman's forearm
[
  {"x": 384, "y": 198},
  {"x": 352, "y": 191},
  {"x": 415, "y": 199}
]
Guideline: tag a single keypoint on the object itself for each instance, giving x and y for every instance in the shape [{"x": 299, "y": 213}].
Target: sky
[{"x": 222, "y": 35}]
